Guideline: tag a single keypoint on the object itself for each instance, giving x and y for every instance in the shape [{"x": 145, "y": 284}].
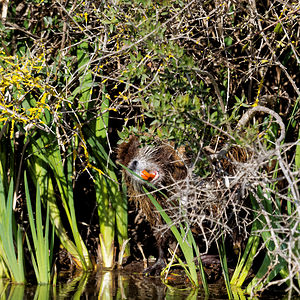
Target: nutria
[
  {"x": 166, "y": 169},
  {"x": 211, "y": 203},
  {"x": 162, "y": 167}
]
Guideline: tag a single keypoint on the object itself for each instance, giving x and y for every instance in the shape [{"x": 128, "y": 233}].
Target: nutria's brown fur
[{"x": 168, "y": 167}]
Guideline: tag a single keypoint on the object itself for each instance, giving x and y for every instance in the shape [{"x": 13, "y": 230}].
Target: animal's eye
[{"x": 133, "y": 165}]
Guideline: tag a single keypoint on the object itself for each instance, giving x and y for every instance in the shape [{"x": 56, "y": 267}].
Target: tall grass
[
  {"x": 223, "y": 260},
  {"x": 273, "y": 263},
  {"x": 245, "y": 262},
  {"x": 63, "y": 72},
  {"x": 47, "y": 155},
  {"x": 187, "y": 245},
  {"x": 41, "y": 249},
  {"x": 112, "y": 207},
  {"x": 11, "y": 238},
  {"x": 50, "y": 138}
]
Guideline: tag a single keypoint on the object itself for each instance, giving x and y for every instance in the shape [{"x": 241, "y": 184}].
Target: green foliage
[
  {"x": 10, "y": 234},
  {"x": 245, "y": 263},
  {"x": 180, "y": 71},
  {"x": 187, "y": 244},
  {"x": 50, "y": 102},
  {"x": 42, "y": 239},
  {"x": 47, "y": 154},
  {"x": 223, "y": 260},
  {"x": 297, "y": 155}
]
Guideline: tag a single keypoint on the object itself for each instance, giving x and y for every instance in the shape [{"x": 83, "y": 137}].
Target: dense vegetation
[{"x": 76, "y": 76}]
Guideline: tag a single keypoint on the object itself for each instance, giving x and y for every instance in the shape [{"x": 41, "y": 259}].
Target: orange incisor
[{"x": 147, "y": 176}]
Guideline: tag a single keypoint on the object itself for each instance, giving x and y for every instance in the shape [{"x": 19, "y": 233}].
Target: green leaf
[
  {"x": 186, "y": 248},
  {"x": 297, "y": 155}
]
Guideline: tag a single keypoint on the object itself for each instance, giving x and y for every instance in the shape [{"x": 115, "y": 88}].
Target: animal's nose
[{"x": 133, "y": 165}]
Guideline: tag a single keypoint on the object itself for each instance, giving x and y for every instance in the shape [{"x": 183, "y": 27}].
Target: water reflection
[
  {"x": 8, "y": 291},
  {"x": 110, "y": 285},
  {"x": 103, "y": 285}
]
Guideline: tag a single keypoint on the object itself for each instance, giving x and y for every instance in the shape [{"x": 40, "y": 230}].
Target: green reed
[
  {"x": 187, "y": 244},
  {"x": 41, "y": 249},
  {"x": 11, "y": 237}
]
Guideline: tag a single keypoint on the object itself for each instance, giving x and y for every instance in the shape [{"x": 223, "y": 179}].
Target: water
[{"x": 114, "y": 285}]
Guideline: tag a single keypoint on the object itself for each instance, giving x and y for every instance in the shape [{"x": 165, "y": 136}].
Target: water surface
[{"x": 117, "y": 285}]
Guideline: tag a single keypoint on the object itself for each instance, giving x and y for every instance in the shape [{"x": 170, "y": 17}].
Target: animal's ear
[
  {"x": 179, "y": 160},
  {"x": 128, "y": 150}
]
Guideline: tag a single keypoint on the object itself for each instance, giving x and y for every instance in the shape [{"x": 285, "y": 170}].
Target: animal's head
[{"x": 159, "y": 165}]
